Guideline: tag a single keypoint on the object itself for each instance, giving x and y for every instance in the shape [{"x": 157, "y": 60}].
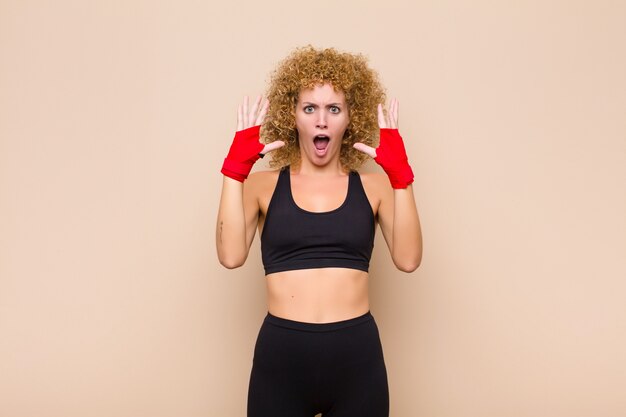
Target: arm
[
  {"x": 239, "y": 209},
  {"x": 236, "y": 223},
  {"x": 399, "y": 222},
  {"x": 397, "y": 212}
]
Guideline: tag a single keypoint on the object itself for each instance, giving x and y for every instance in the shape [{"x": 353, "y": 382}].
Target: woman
[{"x": 318, "y": 350}]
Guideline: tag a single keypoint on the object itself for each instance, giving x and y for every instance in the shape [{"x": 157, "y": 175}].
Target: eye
[
  {"x": 308, "y": 109},
  {"x": 334, "y": 109}
]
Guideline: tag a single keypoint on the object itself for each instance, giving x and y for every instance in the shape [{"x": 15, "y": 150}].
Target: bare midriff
[{"x": 322, "y": 295}]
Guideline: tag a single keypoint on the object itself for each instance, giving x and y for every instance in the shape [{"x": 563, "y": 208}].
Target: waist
[
  {"x": 318, "y": 295},
  {"x": 318, "y": 327}
]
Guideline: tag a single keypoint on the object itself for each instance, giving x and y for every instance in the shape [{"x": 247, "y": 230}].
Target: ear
[
  {"x": 346, "y": 135},
  {"x": 294, "y": 105}
]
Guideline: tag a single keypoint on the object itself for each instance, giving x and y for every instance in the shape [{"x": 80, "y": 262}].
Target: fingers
[
  {"x": 272, "y": 146},
  {"x": 251, "y": 116},
  {"x": 390, "y": 119},
  {"x": 245, "y": 112},
  {"x": 382, "y": 122},
  {"x": 393, "y": 113},
  {"x": 239, "y": 118},
  {"x": 365, "y": 149},
  {"x": 262, "y": 113},
  {"x": 253, "y": 112}
]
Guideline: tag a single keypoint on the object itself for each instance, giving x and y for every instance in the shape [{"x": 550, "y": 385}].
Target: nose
[{"x": 321, "y": 120}]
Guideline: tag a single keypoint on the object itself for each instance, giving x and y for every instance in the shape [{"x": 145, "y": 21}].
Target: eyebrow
[{"x": 308, "y": 103}]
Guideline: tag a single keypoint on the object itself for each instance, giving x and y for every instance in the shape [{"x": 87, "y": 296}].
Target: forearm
[
  {"x": 406, "y": 250},
  {"x": 232, "y": 248}
]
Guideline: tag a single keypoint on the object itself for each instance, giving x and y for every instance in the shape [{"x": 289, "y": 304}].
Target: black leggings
[{"x": 302, "y": 369}]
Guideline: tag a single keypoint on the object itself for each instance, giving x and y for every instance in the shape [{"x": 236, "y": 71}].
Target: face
[{"x": 321, "y": 120}]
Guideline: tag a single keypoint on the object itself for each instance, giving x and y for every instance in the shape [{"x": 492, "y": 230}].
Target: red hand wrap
[
  {"x": 243, "y": 153},
  {"x": 391, "y": 156}
]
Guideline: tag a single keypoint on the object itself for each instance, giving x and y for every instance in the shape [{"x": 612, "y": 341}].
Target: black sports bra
[{"x": 294, "y": 238}]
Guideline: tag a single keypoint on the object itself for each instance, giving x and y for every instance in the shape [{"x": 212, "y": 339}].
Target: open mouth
[{"x": 321, "y": 143}]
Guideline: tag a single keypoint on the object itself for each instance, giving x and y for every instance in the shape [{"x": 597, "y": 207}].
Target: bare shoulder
[
  {"x": 263, "y": 175},
  {"x": 261, "y": 179},
  {"x": 260, "y": 185},
  {"x": 377, "y": 188},
  {"x": 375, "y": 183}
]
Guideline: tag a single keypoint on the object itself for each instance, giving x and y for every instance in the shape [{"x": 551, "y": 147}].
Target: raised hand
[
  {"x": 247, "y": 148},
  {"x": 390, "y": 154},
  {"x": 254, "y": 116},
  {"x": 389, "y": 120}
]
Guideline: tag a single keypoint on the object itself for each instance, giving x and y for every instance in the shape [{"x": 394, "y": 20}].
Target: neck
[{"x": 306, "y": 167}]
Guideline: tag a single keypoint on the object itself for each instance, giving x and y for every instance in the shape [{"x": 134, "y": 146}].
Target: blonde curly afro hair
[{"x": 305, "y": 68}]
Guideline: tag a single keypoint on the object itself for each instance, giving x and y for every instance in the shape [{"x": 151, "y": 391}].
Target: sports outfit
[{"x": 302, "y": 369}]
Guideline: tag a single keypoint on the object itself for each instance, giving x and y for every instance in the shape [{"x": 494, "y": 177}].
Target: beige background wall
[{"x": 115, "y": 117}]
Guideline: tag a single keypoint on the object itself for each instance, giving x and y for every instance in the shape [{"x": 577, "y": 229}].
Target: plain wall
[{"x": 115, "y": 117}]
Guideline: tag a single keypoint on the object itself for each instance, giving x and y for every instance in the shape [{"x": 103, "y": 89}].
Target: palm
[
  {"x": 388, "y": 120},
  {"x": 253, "y": 116}
]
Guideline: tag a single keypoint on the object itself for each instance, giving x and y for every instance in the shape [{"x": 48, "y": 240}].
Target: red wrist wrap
[
  {"x": 391, "y": 156},
  {"x": 243, "y": 153}
]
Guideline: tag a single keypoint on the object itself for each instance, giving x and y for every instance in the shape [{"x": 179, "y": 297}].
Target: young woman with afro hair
[{"x": 318, "y": 349}]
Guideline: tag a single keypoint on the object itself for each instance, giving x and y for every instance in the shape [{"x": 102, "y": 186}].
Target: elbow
[
  {"x": 408, "y": 265},
  {"x": 231, "y": 262},
  {"x": 230, "y": 265}
]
